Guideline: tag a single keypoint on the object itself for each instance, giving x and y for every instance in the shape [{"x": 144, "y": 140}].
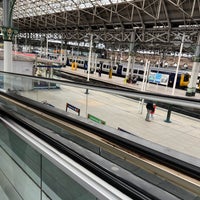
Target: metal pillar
[
  {"x": 89, "y": 57},
  {"x": 195, "y": 70},
  {"x": 132, "y": 68},
  {"x": 41, "y": 40},
  {"x": 61, "y": 53},
  {"x": 95, "y": 64},
  {"x": 8, "y": 66},
  {"x": 144, "y": 85},
  {"x": 169, "y": 114},
  {"x": 15, "y": 46},
  {"x": 179, "y": 58},
  {"x": 8, "y": 33},
  {"x": 47, "y": 47},
  {"x": 121, "y": 57},
  {"x": 130, "y": 54},
  {"x": 65, "y": 57}
]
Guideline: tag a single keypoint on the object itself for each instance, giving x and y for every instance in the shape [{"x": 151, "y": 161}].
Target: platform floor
[{"x": 182, "y": 134}]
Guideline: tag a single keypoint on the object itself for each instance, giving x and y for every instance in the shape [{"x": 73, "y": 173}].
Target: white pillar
[
  {"x": 179, "y": 58},
  {"x": 72, "y": 52},
  {"x": 7, "y": 37},
  {"x": 15, "y": 45},
  {"x": 130, "y": 53},
  {"x": 128, "y": 66},
  {"x": 115, "y": 59},
  {"x": 121, "y": 57},
  {"x": 7, "y": 22},
  {"x": 65, "y": 57},
  {"x": 89, "y": 57},
  {"x": 61, "y": 53},
  {"x": 47, "y": 47},
  {"x": 8, "y": 65},
  {"x": 195, "y": 70},
  {"x": 41, "y": 51},
  {"x": 132, "y": 68},
  {"x": 144, "y": 84},
  {"x": 145, "y": 75},
  {"x": 95, "y": 63}
]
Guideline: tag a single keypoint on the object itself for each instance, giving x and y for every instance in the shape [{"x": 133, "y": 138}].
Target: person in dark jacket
[
  {"x": 150, "y": 108},
  {"x": 100, "y": 70}
]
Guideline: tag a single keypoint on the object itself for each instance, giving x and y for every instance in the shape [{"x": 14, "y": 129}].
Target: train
[{"x": 163, "y": 76}]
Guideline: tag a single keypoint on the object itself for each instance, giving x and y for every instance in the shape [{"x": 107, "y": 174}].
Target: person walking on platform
[
  {"x": 85, "y": 66},
  {"x": 153, "y": 111},
  {"x": 100, "y": 70},
  {"x": 149, "y": 107}
]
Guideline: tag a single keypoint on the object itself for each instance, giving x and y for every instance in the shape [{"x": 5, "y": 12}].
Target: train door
[
  {"x": 140, "y": 74},
  {"x": 98, "y": 65},
  {"x": 85, "y": 65},
  {"x": 81, "y": 64},
  {"x": 171, "y": 80},
  {"x": 105, "y": 67},
  {"x": 119, "y": 70},
  {"x": 68, "y": 62},
  {"x": 114, "y": 69},
  {"x": 135, "y": 72}
]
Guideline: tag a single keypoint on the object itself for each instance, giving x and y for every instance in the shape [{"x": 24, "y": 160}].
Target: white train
[{"x": 138, "y": 70}]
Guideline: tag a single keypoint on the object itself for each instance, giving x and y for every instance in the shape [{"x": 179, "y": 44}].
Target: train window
[
  {"x": 135, "y": 71},
  {"x": 186, "y": 77},
  {"x": 141, "y": 72},
  {"x": 104, "y": 66},
  {"x": 114, "y": 67},
  {"x": 124, "y": 69}
]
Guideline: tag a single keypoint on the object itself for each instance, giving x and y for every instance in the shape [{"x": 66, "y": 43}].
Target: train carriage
[{"x": 182, "y": 81}]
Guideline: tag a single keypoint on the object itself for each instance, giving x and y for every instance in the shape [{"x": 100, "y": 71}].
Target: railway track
[{"x": 122, "y": 150}]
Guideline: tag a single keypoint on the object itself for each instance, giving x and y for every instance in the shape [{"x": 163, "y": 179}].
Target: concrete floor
[{"x": 183, "y": 134}]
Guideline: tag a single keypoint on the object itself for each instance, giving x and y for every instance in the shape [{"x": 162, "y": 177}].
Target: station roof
[{"x": 155, "y": 23}]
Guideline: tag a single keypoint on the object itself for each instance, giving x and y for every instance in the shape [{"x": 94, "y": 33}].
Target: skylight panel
[{"x": 28, "y": 8}]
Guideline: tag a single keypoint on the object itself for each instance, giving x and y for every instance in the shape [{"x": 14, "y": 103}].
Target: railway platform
[
  {"x": 121, "y": 81},
  {"x": 182, "y": 134}
]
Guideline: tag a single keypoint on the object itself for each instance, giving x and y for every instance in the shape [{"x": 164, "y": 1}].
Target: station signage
[
  {"x": 69, "y": 106},
  {"x": 95, "y": 119},
  {"x": 158, "y": 78}
]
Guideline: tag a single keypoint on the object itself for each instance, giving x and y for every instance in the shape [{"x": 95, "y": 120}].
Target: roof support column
[
  {"x": 179, "y": 59},
  {"x": 132, "y": 44},
  {"x": 195, "y": 70},
  {"x": 8, "y": 33},
  {"x": 61, "y": 52},
  {"x": 89, "y": 56}
]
